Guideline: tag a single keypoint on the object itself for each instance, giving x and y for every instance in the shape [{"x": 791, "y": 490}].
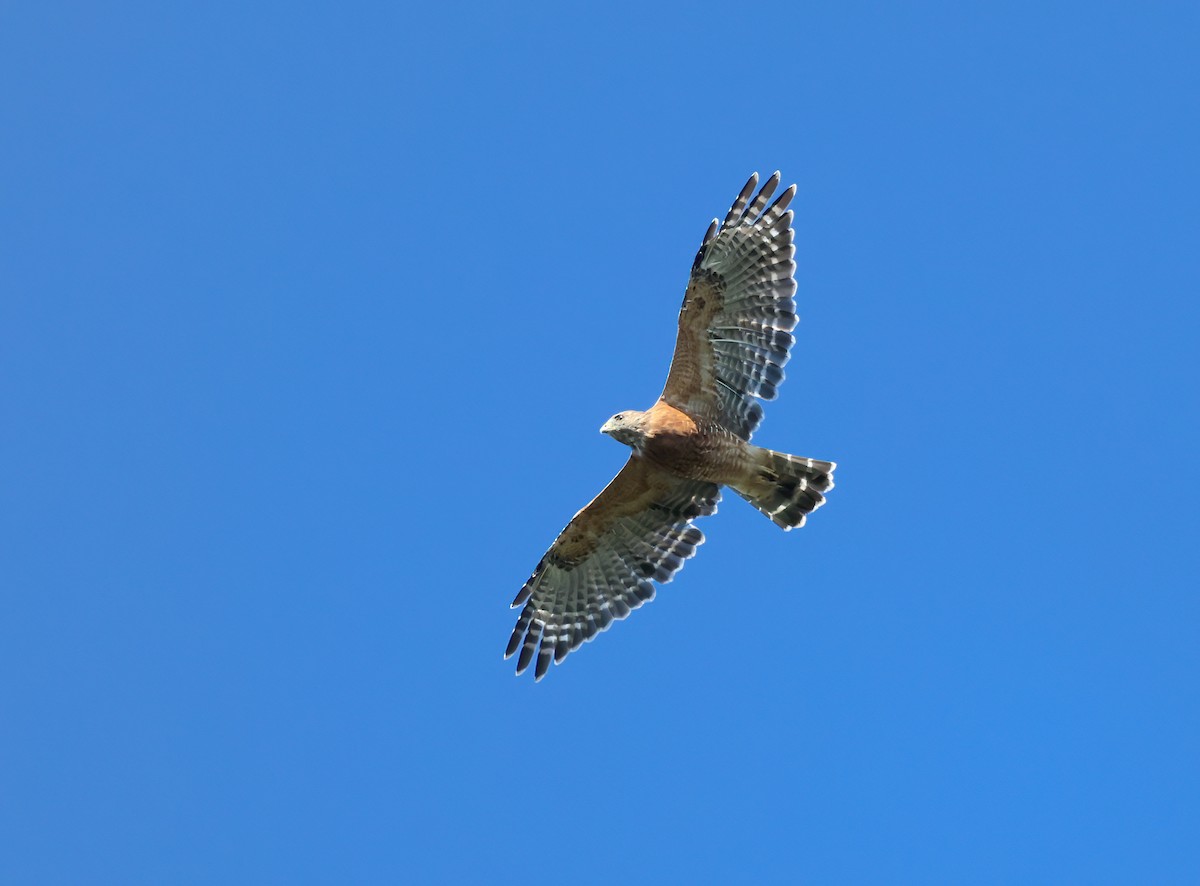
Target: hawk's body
[{"x": 734, "y": 339}]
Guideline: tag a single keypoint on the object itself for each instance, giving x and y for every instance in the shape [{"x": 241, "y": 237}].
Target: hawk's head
[{"x": 626, "y": 427}]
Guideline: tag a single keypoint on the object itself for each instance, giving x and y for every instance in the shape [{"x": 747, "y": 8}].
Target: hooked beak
[{"x": 606, "y": 428}]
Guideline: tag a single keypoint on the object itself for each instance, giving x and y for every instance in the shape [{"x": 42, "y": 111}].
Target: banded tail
[{"x": 785, "y": 487}]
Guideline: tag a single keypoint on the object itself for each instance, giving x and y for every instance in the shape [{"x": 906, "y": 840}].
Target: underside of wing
[
  {"x": 603, "y": 564},
  {"x": 738, "y": 313}
]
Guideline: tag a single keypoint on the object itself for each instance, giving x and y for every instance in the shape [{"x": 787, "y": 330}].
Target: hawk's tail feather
[{"x": 787, "y": 488}]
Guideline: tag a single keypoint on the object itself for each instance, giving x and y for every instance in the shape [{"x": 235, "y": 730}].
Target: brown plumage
[{"x": 733, "y": 342}]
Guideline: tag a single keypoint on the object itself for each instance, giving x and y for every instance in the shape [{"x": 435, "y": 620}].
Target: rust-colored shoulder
[{"x": 664, "y": 418}]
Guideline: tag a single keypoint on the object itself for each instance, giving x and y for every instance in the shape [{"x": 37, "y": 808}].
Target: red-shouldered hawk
[{"x": 734, "y": 338}]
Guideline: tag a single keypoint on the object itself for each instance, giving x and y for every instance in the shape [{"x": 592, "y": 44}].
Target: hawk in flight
[{"x": 734, "y": 338}]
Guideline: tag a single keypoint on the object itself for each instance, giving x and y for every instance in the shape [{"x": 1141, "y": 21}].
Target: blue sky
[{"x": 309, "y": 319}]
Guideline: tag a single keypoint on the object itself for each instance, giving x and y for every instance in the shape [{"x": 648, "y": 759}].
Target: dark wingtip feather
[
  {"x": 561, "y": 648},
  {"x": 545, "y": 654},
  {"x": 701, "y": 253},
  {"x": 760, "y": 202},
  {"x": 513, "y": 642},
  {"x": 531, "y": 641},
  {"x": 518, "y": 632},
  {"x": 781, "y": 203},
  {"x": 736, "y": 210}
]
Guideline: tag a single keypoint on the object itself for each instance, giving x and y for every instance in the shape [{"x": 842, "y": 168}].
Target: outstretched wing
[
  {"x": 738, "y": 313},
  {"x": 600, "y": 568}
]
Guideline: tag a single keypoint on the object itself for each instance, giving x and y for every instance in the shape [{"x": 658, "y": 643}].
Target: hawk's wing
[
  {"x": 601, "y": 565},
  {"x": 738, "y": 313}
]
